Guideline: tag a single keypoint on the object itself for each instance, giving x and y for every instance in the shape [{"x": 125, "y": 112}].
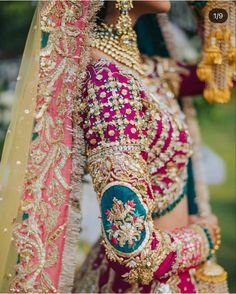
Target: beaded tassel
[
  {"x": 219, "y": 55},
  {"x": 211, "y": 278}
]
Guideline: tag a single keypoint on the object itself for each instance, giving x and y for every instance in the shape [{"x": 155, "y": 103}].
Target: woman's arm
[{"x": 190, "y": 84}]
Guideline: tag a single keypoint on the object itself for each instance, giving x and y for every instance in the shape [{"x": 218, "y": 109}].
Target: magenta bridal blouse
[{"x": 137, "y": 147}]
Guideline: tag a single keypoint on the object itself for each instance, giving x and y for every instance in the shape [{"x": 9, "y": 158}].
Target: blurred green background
[
  {"x": 15, "y": 19},
  {"x": 217, "y": 125}
]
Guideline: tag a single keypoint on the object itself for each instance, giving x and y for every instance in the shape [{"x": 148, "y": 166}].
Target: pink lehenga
[{"x": 128, "y": 133}]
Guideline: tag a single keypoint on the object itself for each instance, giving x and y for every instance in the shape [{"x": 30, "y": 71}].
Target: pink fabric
[{"x": 42, "y": 242}]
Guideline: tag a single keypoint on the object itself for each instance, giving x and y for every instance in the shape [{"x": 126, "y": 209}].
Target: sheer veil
[{"x": 15, "y": 154}]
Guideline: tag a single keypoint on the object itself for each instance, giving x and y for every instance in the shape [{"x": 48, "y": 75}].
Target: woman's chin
[
  {"x": 162, "y": 6},
  {"x": 149, "y": 6}
]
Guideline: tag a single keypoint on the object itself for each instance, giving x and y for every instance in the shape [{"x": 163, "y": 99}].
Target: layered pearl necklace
[{"x": 121, "y": 47}]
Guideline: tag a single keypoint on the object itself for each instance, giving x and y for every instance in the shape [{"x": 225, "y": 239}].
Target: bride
[{"x": 90, "y": 102}]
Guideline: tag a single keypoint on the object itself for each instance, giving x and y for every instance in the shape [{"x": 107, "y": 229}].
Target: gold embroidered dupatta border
[{"x": 50, "y": 179}]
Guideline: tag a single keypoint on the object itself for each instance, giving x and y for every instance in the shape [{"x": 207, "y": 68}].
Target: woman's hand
[{"x": 211, "y": 222}]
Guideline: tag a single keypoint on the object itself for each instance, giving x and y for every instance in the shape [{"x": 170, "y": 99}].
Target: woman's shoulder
[{"x": 110, "y": 87}]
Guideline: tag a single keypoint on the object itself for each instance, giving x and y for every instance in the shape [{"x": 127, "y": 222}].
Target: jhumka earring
[
  {"x": 120, "y": 40},
  {"x": 219, "y": 55},
  {"x": 124, "y": 23}
]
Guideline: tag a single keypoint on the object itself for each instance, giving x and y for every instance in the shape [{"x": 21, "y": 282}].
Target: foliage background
[{"x": 217, "y": 125}]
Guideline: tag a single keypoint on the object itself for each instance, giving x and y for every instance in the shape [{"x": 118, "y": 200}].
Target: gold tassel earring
[{"x": 219, "y": 55}]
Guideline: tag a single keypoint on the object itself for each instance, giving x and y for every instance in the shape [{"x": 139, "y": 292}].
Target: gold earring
[{"x": 124, "y": 23}]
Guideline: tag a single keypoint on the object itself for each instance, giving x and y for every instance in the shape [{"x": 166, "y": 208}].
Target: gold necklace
[{"x": 121, "y": 47}]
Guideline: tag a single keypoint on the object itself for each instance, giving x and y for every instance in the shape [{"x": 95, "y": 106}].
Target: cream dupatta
[{"x": 43, "y": 160}]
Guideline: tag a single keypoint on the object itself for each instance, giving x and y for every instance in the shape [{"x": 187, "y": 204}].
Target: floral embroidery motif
[
  {"x": 126, "y": 225},
  {"x": 124, "y": 218}
]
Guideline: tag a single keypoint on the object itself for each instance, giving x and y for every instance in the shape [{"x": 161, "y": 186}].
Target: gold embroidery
[
  {"x": 126, "y": 168},
  {"x": 147, "y": 223},
  {"x": 47, "y": 185},
  {"x": 143, "y": 266},
  {"x": 172, "y": 123},
  {"x": 128, "y": 229}
]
